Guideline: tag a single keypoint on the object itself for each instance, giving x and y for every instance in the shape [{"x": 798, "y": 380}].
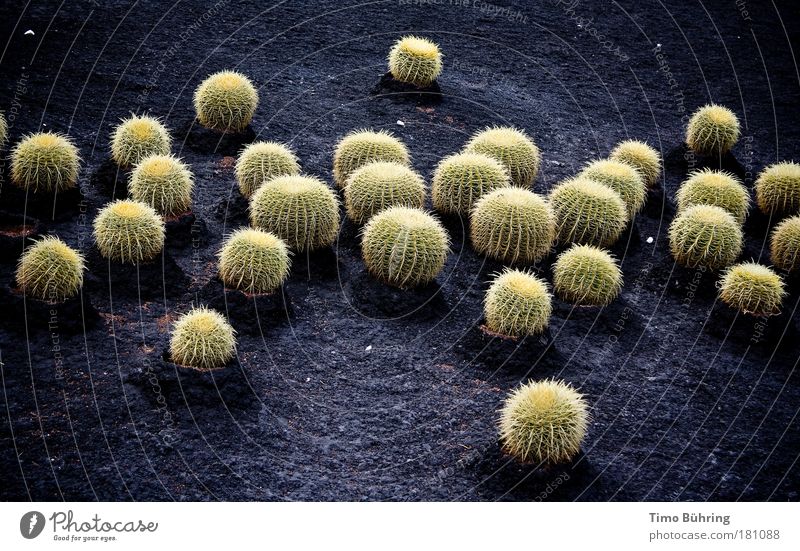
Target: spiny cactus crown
[
  {"x": 588, "y": 212},
  {"x": 50, "y": 270},
  {"x": 3, "y": 130},
  {"x": 202, "y": 339},
  {"x": 415, "y": 60},
  {"x": 260, "y": 162},
  {"x": 45, "y": 162},
  {"x": 622, "y": 178},
  {"x": 380, "y": 185},
  {"x": 164, "y": 182},
  {"x": 360, "y": 147},
  {"x": 513, "y": 148},
  {"x": 226, "y": 101},
  {"x": 513, "y": 225},
  {"x": 301, "y": 210},
  {"x": 129, "y": 231},
  {"x": 517, "y": 304},
  {"x": 253, "y": 261},
  {"x": 137, "y": 137},
  {"x": 712, "y": 130},
  {"x": 640, "y": 156},
  {"x": 715, "y": 187},
  {"x": 587, "y": 276},
  {"x": 778, "y": 189},
  {"x": 785, "y": 244},
  {"x": 462, "y": 179},
  {"x": 705, "y": 235},
  {"x": 752, "y": 289}
]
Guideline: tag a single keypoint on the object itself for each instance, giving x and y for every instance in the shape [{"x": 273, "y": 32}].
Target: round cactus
[
  {"x": 129, "y": 231},
  {"x": 517, "y": 304},
  {"x": 137, "y": 137},
  {"x": 640, "y": 156},
  {"x": 263, "y": 161},
  {"x": 785, "y": 244},
  {"x": 202, "y": 339},
  {"x": 164, "y": 183},
  {"x": 301, "y": 210},
  {"x": 588, "y": 212},
  {"x": 365, "y": 146},
  {"x": 587, "y": 276},
  {"x": 226, "y": 101},
  {"x": 752, "y": 289},
  {"x": 415, "y": 60},
  {"x": 622, "y": 178},
  {"x": 705, "y": 235},
  {"x": 712, "y": 130},
  {"x": 512, "y": 225},
  {"x": 45, "y": 162},
  {"x": 778, "y": 189},
  {"x": 404, "y": 247},
  {"x": 50, "y": 270},
  {"x": 253, "y": 261},
  {"x": 513, "y": 148},
  {"x": 715, "y": 187},
  {"x": 3, "y": 130},
  {"x": 543, "y": 422},
  {"x": 380, "y": 185},
  {"x": 461, "y": 179}
]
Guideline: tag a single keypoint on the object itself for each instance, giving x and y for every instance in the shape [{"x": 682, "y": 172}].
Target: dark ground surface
[{"x": 354, "y": 390}]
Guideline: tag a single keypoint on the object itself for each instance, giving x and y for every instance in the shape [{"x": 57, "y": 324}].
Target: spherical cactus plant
[
  {"x": 705, "y": 235},
  {"x": 129, "y": 231},
  {"x": 587, "y": 276},
  {"x": 45, "y": 162},
  {"x": 461, "y": 179},
  {"x": 588, "y": 212},
  {"x": 226, "y": 101},
  {"x": 543, "y": 422},
  {"x": 715, "y": 187},
  {"x": 785, "y": 244},
  {"x": 404, "y": 247},
  {"x": 513, "y": 148},
  {"x": 415, "y": 60},
  {"x": 50, "y": 270},
  {"x": 517, "y": 304},
  {"x": 512, "y": 225},
  {"x": 752, "y": 289},
  {"x": 253, "y": 261},
  {"x": 379, "y": 185},
  {"x": 137, "y": 137},
  {"x": 712, "y": 130},
  {"x": 778, "y": 189},
  {"x": 640, "y": 156},
  {"x": 622, "y": 178},
  {"x": 263, "y": 161},
  {"x": 202, "y": 339},
  {"x": 301, "y": 210},
  {"x": 365, "y": 146},
  {"x": 163, "y": 182}
]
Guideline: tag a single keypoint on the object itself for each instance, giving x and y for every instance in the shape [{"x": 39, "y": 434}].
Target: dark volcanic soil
[{"x": 345, "y": 389}]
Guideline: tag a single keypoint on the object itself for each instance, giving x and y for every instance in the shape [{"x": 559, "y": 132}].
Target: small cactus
[
  {"x": 462, "y": 179},
  {"x": 715, "y": 187},
  {"x": 785, "y": 244},
  {"x": 712, "y": 130},
  {"x": 513, "y": 148},
  {"x": 587, "y": 276},
  {"x": 705, "y": 235},
  {"x": 50, "y": 270},
  {"x": 380, "y": 185},
  {"x": 752, "y": 289},
  {"x": 137, "y": 137},
  {"x": 640, "y": 156},
  {"x": 517, "y": 304},
  {"x": 3, "y": 130},
  {"x": 226, "y": 101},
  {"x": 364, "y": 146},
  {"x": 163, "y": 182},
  {"x": 415, "y": 60},
  {"x": 301, "y": 210},
  {"x": 45, "y": 162},
  {"x": 253, "y": 261},
  {"x": 622, "y": 178},
  {"x": 512, "y": 225},
  {"x": 588, "y": 212},
  {"x": 263, "y": 161},
  {"x": 129, "y": 231},
  {"x": 202, "y": 339},
  {"x": 778, "y": 189},
  {"x": 404, "y": 247},
  {"x": 543, "y": 422}
]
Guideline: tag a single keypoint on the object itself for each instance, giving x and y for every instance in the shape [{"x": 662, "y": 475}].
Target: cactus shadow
[
  {"x": 110, "y": 180},
  {"x": 376, "y": 299},
  {"x": 204, "y": 140},
  {"x": 47, "y": 207},
  {"x": 250, "y": 314},
  {"x": 147, "y": 280},
  {"x": 763, "y": 334},
  {"x": 319, "y": 265},
  {"x": 23, "y": 314},
  {"x": 15, "y": 231},
  {"x": 401, "y": 92}
]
